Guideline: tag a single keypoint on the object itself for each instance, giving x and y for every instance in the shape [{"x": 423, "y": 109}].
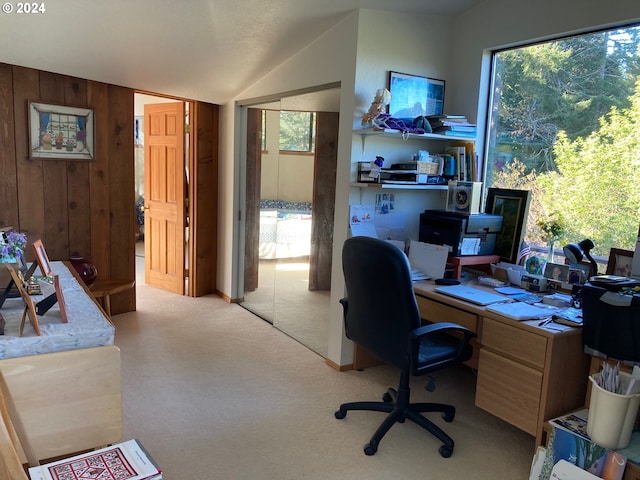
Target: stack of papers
[
  {"x": 417, "y": 275},
  {"x": 427, "y": 260},
  {"x": 522, "y": 311}
]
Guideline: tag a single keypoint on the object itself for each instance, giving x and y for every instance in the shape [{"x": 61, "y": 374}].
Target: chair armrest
[
  {"x": 345, "y": 305},
  {"x": 444, "y": 352},
  {"x": 439, "y": 326}
]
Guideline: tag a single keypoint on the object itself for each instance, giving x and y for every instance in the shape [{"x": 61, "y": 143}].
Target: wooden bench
[{"x": 103, "y": 289}]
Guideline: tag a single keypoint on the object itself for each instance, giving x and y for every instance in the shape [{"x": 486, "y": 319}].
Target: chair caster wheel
[
  {"x": 449, "y": 414},
  {"x": 387, "y": 398},
  {"x": 370, "y": 449},
  {"x": 340, "y": 414},
  {"x": 445, "y": 451}
]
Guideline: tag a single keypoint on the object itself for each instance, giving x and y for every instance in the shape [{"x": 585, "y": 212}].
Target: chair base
[{"x": 399, "y": 409}]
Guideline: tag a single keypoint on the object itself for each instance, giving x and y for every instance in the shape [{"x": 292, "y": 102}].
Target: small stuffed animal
[{"x": 378, "y": 106}]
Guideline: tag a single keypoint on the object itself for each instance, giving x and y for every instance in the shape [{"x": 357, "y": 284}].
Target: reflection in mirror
[{"x": 290, "y": 185}]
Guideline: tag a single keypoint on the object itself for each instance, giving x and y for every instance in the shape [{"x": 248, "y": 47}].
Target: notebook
[{"x": 470, "y": 294}]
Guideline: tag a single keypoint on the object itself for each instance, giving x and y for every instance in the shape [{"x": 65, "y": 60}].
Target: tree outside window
[
  {"x": 565, "y": 124},
  {"x": 297, "y": 131}
]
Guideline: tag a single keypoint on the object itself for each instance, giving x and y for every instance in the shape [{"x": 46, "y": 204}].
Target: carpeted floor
[{"x": 213, "y": 392}]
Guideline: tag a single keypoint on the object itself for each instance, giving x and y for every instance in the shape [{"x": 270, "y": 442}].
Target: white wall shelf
[
  {"x": 400, "y": 186},
  {"x": 377, "y": 132}
]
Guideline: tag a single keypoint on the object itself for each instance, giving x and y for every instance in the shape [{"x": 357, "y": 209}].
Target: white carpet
[{"x": 214, "y": 392}]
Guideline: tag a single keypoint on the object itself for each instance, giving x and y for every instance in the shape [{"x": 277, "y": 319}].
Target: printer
[{"x": 465, "y": 233}]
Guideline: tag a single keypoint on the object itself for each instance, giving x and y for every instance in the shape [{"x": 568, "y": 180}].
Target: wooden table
[{"x": 103, "y": 289}]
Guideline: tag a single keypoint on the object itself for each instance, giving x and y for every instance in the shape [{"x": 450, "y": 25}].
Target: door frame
[
  {"x": 202, "y": 193},
  {"x": 242, "y": 107}
]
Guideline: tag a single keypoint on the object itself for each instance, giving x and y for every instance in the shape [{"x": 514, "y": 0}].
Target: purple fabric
[{"x": 384, "y": 120}]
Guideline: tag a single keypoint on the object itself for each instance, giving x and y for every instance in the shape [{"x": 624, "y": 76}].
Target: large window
[{"x": 565, "y": 124}]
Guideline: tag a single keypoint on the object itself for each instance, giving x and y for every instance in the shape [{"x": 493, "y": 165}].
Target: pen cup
[{"x": 611, "y": 415}]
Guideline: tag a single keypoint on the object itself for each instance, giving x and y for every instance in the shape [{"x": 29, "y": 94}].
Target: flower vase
[
  {"x": 550, "y": 256},
  {"x": 87, "y": 271}
]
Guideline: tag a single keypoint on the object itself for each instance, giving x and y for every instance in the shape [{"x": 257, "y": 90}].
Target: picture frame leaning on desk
[
  {"x": 619, "y": 262},
  {"x": 29, "y": 307},
  {"x": 513, "y": 205}
]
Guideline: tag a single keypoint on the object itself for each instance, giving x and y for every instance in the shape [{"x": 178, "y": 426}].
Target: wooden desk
[{"x": 527, "y": 374}]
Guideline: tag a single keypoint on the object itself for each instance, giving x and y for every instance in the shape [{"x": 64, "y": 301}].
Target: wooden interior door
[{"x": 164, "y": 179}]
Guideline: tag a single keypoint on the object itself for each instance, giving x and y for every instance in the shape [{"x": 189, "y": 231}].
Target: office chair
[{"x": 381, "y": 315}]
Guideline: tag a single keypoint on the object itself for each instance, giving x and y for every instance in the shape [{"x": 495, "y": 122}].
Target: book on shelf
[
  {"x": 124, "y": 460},
  {"x": 471, "y": 165},
  {"x": 445, "y": 116},
  {"x": 457, "y": 133},
  {"x": 454, "y": 128},
  {"x": 459, "y": 154}
]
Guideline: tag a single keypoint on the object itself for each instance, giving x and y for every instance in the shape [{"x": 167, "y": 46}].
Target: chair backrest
[{"x": 382, "y": 308}]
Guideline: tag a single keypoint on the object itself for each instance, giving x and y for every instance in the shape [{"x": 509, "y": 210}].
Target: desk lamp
[{"x": 576, "y": 252}]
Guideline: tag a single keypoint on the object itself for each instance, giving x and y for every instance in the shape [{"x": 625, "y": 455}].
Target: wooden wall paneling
[
  {"x": 252, "y": 210},
  {"x": 86, "y": 205},
  {"x": 323, "y": 204},
  {"x": 78, "y": 193},
  {"x": 26, "y": 86},
  {"x": 121, "y": 185},
  {"x": 8, "y": 174},
  {"x": 204, "y": 193},
  {"x": 99, "y": 206},
  {"x": 56, "y": 233}
]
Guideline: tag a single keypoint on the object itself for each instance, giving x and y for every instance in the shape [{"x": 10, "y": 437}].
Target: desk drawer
[
  {"x": 509, "y": 390},
  {"x": 514, "y": 342},
  {"x": 437, "y": 312}
]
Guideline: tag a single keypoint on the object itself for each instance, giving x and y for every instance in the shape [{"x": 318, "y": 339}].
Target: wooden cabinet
[
  {"x": 64, "y": 402},
  {"x": 62, "y": 388},
  {"x": 509, "y": 390}
]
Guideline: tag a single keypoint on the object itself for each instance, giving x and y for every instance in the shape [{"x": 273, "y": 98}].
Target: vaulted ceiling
[{"x": 208, "y": 50}]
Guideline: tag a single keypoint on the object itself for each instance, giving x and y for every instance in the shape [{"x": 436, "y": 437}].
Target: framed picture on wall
[
  {"x": 413, "y": 95},
  {"x": 60, "y": 132},
  {"x": 513, "y": 205}
]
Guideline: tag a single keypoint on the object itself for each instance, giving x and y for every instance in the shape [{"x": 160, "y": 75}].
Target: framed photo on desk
[
  {"x": 29, "y": 307},
  {"x": 42, "y": 259},
  {"x": 619, "y": 262},
  {"x": 513, "y": 205}
]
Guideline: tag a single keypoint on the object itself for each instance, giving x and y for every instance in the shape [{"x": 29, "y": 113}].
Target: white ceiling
[{"x": 208, "y": 50}]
